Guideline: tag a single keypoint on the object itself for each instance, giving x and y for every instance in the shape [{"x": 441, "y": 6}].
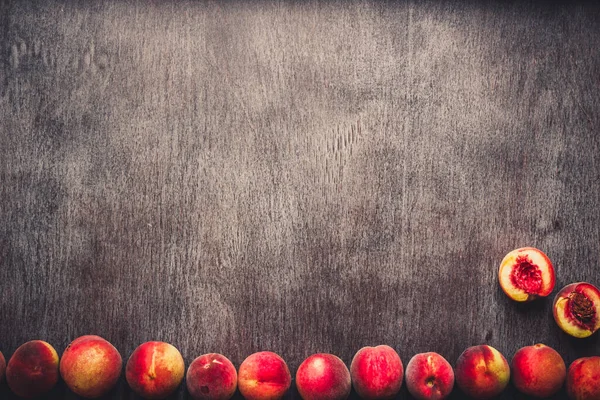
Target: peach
[
  {"x": 33, "y": 369},
  {"x": 538, "y": 370},
  {"x": 576, "y": 309},
  {"x": 429, "y": 377},
  {"x": 482, "y": 372},
  {"x": 2, "y": 366},
  {"x": 264, "y": 375},
  {"x": 211, "y": 377},
  {"x": 376, "y": 372},
  {"x": 583, "y": 379},
  {"x": 323, "y": 377},
  {"x": 90, "y": 366},
  {"x": 155, "y": 370},
  {"x": 526, "y": 274}
]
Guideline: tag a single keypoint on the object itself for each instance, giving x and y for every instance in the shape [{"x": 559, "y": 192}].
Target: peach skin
[
  {"x": 264, "y": 375},
  {"x": 323, "y": 377},
  {"x": 482, "y": 372},
  {"x": 90, "y": 366},
  {"x": 211, "y": 377},
  {"x": 33, "y": 369},
  {"x": 429, "y": 377},
  {"x": 376, "y": 372},
  {"x": 538, "y": 370},
  {"x": 583, "y": 379},
  {"x": 155, "y": 370}
]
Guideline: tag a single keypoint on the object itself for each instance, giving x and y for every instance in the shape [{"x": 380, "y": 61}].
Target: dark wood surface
[{"x": 291, "y": 176}]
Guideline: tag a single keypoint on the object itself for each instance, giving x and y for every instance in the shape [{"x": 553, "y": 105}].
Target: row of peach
[{"x": 90, "y": 367}]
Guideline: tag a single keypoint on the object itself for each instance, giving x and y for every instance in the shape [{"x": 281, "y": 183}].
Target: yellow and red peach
[
  {"x": 576, "y": 309},
  {"x": 323, "y": 377},
  {"x": 264, "y": 375},
  {"x": 526, "y": 274},
  {"x": 2, "y": 366},
  {"x": 429, "y": 377},
  {"x": 33, "y": 369},
  {"x": 155, "y": 370},
  {"x": 90, "y": 366},
  {"x": 538, "y": 370},
  {"x": 376, "y": 372},
  {"x": 482, "y": 372},
  {"x": 211, "y": 377},
  {"x": 583, "y": 379}
]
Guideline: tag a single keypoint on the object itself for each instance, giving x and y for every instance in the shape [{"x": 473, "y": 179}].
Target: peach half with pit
[
  {"x": 576, "y": 309},
  {"x": 376, "y": 372},
  {"x": 429, "y": 377},
  {"x": 211, "y": 377},
  {"x": 33, "y": 369},
  {"x": 264, "y": 375},
  {"x": 538, "y": 371},
  {"x": 583, "y": 379},
  {"x": 90, "y": 366},
  {"x": 482, "y": 372},
  {"x": 155, "y": 370},
  {"x": 526, "y": 274},
  {"x": 323, "y": 376}
]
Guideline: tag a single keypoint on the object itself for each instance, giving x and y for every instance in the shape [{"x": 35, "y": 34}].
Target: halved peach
[
  {"x": 526, "y": 274},
  {"x": 576, "y": 309}
]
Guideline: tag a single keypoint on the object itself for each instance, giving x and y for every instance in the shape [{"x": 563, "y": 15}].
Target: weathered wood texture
[{"x": 291, "y": 176}]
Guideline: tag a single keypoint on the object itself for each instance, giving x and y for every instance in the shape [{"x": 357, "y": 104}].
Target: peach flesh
[
  {"x": 155, "y": 370},
  {"x": 583, "y": 379},
  {"x": 323, "y": 377},
  {"x": 538, "y": 370},
  {"x": 2, "y": 367},
  {"x": 33, "y": 369},
  {"x": 211, "y": 377},
  {"x": 376, "y": 372},
  {"x": 429, "y": 377},
  {"x": 482, "y": 372},
  {"x": 264, "y": 375},
  {"x": 90, "y": 366},
  {"x": 526, "y": 274},
  {"x": 576, "y": 309}
]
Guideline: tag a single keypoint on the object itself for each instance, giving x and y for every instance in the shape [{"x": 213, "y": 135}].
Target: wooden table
[{"x": 296, "y": 177}]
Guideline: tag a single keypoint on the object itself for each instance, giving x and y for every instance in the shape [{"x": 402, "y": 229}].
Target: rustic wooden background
[{"x": 298, "y": 177}]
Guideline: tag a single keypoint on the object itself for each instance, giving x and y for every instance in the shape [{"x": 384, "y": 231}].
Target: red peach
[
  {"x": 2, "y": 366},
  {"x": 90, "y": 366},
  {"x": 211, "y": 377},
  {"x": 376, "y": 372},
  {"x": 264, "y": 375},
  {"x": 429, "y": 377},
  {"x": 526, "y": 274},
  {"x": 323, "y": 377},
  {"x": 576, "y": 309},
  {"x": 155, "y": 370},
  {"x": 33, "y": 369},
  {"x": 538, "y": 370},
  {"x": 482, "y": 372},
  {"x": 583, "y": 379}
]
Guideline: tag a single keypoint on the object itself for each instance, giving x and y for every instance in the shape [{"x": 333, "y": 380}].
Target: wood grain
[{"x": 293, "y": 176}]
